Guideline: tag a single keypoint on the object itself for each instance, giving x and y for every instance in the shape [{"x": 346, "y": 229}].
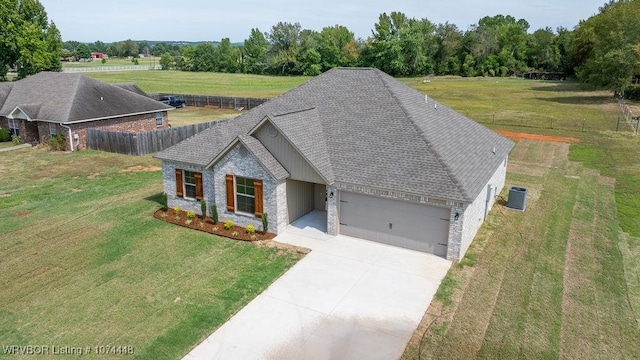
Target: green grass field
[
  {"x": 182, "y": 82},
  {"x": 193, "y": 115},
  {"x": 84, "y": 263},
  {"x": 111, "y": 62}
]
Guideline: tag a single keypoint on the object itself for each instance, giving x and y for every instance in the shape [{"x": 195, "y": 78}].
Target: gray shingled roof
[
  {"x": 64, "y": 98},
  {"x": 367, "y": 128},
  {"x": 131, "y": 87}
]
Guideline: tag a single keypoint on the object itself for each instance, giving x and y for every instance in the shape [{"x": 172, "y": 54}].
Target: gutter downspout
[{"x": 70, "y": 135}]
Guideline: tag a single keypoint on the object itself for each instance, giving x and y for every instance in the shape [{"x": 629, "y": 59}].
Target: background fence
[
  {"x": 221, "y": 102},
  {"x": 628, "y": 118},
  {"x": 143, "y": 143}
]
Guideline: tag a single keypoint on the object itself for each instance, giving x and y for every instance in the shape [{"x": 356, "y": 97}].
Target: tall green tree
[
  {"x": 255, "y": 52},
  {"x": 449, "y": 45},
  {"x": 28, "y": 41},
  {"x": 285, "y": 43},
  {"x": 605, "y": 46},
  {"x": 337, "y": 47},
  {"x": 228, "y": 57}
]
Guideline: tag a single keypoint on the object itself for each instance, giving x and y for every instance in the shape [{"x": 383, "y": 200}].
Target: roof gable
[
  {"x": 259, "y": 152},
  {"x": 303, "y": 131}
]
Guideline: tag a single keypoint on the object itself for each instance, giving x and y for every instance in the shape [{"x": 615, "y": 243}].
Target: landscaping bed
[{"x": 207, "y": 225}]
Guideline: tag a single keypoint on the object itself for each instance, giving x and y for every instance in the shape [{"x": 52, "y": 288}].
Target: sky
[{"x": 207, "y": 20}]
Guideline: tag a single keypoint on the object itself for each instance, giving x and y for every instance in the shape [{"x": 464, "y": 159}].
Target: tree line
[
  {"x": 399, "y": 45},
  {"x": 602, "y": 51}
]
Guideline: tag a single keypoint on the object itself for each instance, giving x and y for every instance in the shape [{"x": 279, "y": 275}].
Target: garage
[{"x": 408, "y": 225}]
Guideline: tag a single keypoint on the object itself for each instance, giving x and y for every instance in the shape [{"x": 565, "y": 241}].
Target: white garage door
[{"x": 409, "y": 225}]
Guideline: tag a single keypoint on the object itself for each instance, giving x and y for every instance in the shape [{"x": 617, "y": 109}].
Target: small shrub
[
  {"x": 15, "y": 139},
  {"x": 228, "y": 224},
  {"x": 250, "y": 229},
  {"x": 191, "y": 215},
  {"x": 164, "y": 200},
  {"x": 214, "y": 213},
  {"x": 5, "y": 135},
  {"x": 201, "y": 224},
  {"x": 164, "y": 215},
  {"x": 188, "y": 222},
  {"x": 265, "y": 223},
  {"x": 253, "y": 238},
  {"x": 215, "y": 228},
  {"x": 235, "y": 233},
  {"x": 176, "y": 218},
  {"x": 203, "y": 208},
  {"x": 176, "y": 210},
  {"x": 57, "y": 142},
  {"x": 104, "y": 61}
]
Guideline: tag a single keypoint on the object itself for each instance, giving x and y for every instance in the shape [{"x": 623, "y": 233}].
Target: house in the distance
[
  {"x": 49, "y": 103},
  {"x": 375, "y": 158}
]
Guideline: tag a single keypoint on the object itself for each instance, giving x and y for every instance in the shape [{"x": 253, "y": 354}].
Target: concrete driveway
[{"x": 347, "y": 299}]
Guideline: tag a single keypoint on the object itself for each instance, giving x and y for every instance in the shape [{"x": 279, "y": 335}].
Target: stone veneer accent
[
  {"x": 332, "y": 210},
  {"x": 272, "y": 191}
]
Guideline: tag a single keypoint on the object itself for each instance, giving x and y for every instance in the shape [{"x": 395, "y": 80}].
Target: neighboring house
[
  {"x": 49, "y": 103},
  {"x": 381, "y": 160}
]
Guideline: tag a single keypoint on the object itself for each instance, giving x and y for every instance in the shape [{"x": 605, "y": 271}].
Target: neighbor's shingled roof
[
  {"x": 65, "y": 98},
  {"x": 367, "y": 128}
]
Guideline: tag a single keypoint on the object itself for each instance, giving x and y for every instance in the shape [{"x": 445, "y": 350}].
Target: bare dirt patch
[
  {"x": 282, "y": 246},
  {"x": 547, "y": 138},
  {"x": 93, "y": 176},
  {"x": 140, "y": 168},
  {"x": 22, "y": 213},
  {"x": 604, "y": 180}
]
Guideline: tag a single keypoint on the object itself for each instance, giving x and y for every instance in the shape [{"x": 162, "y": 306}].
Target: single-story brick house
[
  {"x": 381, "y": 160},
  {"x": 49, "y": 103}
]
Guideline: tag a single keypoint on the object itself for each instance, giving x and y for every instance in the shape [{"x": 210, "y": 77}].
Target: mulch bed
[
  {"x": 522, "y": 136},
  {"x": 208, "y": 226}
]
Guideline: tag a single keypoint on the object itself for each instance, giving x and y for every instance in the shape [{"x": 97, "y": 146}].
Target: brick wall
[
  {"x": 137, "y": 123},
  {"x": 169, "y": 183},
  {"x": 463, "y": 230},
  {"x": 273, "y": 192}
]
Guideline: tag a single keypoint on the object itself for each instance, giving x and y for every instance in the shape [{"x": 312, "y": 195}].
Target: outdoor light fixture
[
  {"x": 457, "y": 216},
  {"x": 331, "y": 195}
]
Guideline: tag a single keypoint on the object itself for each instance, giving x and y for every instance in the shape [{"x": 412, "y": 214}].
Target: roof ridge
[
  {"x": 78, "y": 77},
  {"x": 397, "y": 100}
]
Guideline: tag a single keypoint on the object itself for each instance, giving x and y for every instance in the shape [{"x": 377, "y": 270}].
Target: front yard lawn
[{"x": 84, "y": 263}]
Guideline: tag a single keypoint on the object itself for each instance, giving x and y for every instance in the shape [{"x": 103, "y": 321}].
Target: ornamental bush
[
  {"x": 5, "y": 135},
  {"x": 265, "y": 223},
  {"x": 203, "y": 208},
  {"x": 191, "y": 215},
  {"x": 176, "y": 210},
  {"x": 250, "y": 229},
  {"x": 228, "y": 224},
  {"x": 214, "y": 213},
  {"x": 164, "y": 200}
]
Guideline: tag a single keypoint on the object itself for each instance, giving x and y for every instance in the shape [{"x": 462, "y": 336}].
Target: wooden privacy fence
[
  {"x": 143, "y": 143},
  {"x": 221, "y": 102}
]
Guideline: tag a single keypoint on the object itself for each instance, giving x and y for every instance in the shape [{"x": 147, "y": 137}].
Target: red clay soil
[
  {"x": 525, "y": 136},
  {"x": 208, "y": 226}
]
